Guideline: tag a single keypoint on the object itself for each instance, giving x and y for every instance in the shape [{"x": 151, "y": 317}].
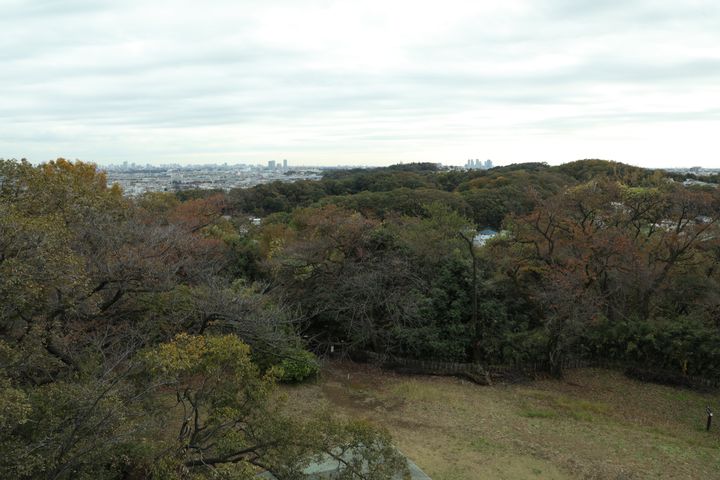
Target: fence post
[{"x": 709, "y": 418}]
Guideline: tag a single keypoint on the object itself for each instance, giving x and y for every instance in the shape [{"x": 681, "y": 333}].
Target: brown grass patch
[{"x": 595, "y": 424}]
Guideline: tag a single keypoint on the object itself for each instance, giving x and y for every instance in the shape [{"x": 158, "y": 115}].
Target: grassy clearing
[{"x": 594, "y": 424}]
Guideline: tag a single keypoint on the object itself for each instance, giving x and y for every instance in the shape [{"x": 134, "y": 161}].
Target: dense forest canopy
[
  {"x": 144, "y": 337},
  {"x": 131, "y": 347}
]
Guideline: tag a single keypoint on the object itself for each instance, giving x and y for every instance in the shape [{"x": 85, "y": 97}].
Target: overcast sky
[{"x": 361, "y": 81}]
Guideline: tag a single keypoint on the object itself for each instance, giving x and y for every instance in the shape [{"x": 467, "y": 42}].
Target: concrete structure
[
  {"x": 327, "y": 469},
  {"x": 484, "y": 235}
]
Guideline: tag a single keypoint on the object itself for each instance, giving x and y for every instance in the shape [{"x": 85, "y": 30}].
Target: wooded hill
[{"x": 142, "y": 338}]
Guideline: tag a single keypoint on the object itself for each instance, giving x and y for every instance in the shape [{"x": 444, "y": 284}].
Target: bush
[{"x": 299, "y": 366}]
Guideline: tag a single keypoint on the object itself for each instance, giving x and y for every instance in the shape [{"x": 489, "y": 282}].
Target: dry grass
[{"x": 595, "y": 424}]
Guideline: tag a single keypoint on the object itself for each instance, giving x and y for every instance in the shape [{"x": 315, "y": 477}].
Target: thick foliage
[
  {"x": 588, "y": 247},
  {"x": 107, "y": 307}
]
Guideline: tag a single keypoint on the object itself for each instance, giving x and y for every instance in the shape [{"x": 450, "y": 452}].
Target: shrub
[{"x": 299, "y": 366}]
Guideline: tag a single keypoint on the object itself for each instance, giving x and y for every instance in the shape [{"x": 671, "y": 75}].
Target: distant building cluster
[
  {"x": 136, "y": 179},
  {"x": 478, "y": 165},
  {"x": 695, "y": 170},
  {"x": 273, "y": 165}
]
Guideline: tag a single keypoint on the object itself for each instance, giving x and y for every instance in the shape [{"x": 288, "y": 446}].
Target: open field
[{"x": 594, "y": 424}]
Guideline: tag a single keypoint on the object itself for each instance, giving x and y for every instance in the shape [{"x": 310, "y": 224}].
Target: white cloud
[{"x": 361, "y": 82}]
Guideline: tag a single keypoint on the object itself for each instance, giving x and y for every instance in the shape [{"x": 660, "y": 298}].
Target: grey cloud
[
  {"x": 641, "y": 13},
  {"x": 101, "y": 70},
  {"x": 580, "y": 122},
  {"x": 37, "y": 9}
]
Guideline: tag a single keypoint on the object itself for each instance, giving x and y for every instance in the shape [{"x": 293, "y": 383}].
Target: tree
[
  {"x": 441, "y": 232},
  {"x": 88, "y": 280},
  {"x": 332, "y": 264},
  {"x": 604, "y": 249},
  {"x": 403, "y": 285},
  {"x": 229, "y": 422}
]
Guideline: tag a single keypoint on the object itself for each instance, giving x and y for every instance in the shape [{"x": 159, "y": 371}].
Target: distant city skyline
[
  {"x": 264, "y": 164},
  {"x": 482, "y": 165},
  {"x": 341, "y": 82}
]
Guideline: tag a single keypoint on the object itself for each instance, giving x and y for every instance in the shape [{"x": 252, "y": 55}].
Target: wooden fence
[{"x": 489, "y": 374}]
